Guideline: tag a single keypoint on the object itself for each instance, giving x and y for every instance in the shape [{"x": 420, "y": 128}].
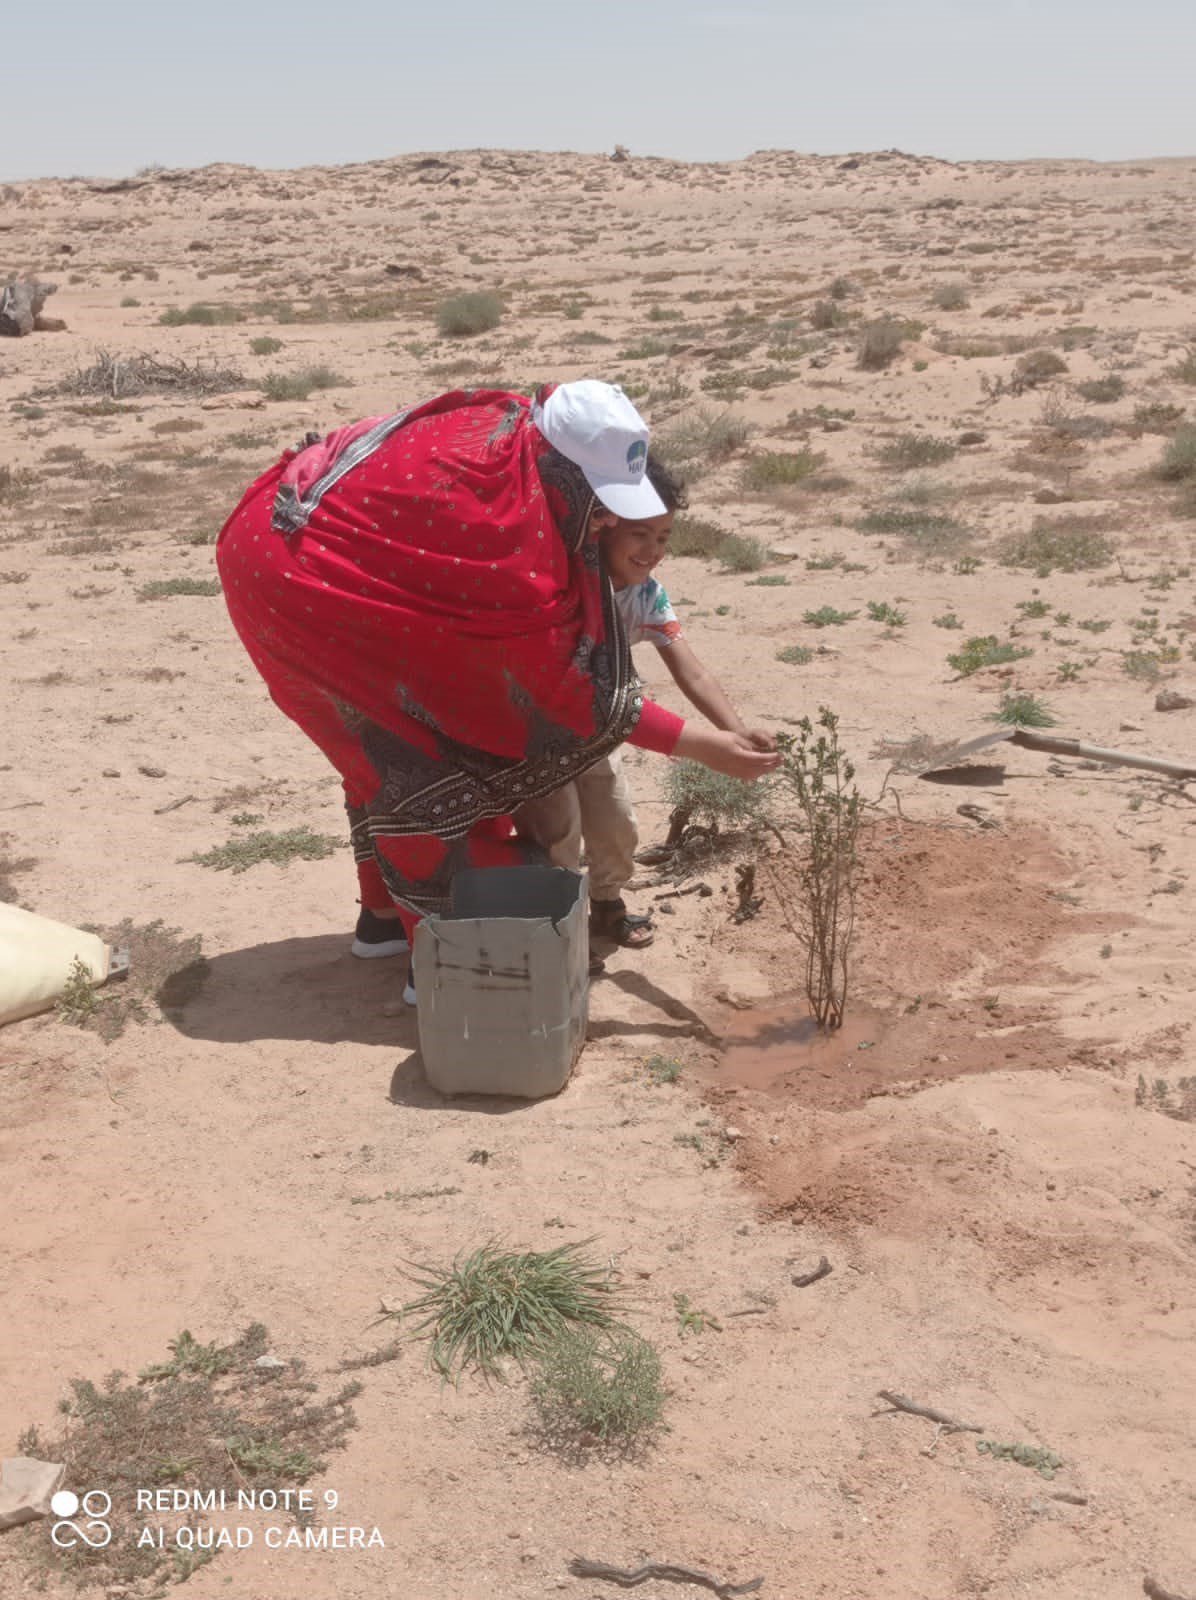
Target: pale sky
[{"x": 103, "y": 87}]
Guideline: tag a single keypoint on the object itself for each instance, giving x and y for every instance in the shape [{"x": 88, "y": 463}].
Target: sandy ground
[{"x": 1005, "y": 1193}]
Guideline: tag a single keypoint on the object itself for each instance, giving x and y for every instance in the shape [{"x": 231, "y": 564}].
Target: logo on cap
[{"x": 637, "y": 457}]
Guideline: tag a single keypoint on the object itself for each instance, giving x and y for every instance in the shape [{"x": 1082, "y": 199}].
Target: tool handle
[{"x": 1093, "y": 752}]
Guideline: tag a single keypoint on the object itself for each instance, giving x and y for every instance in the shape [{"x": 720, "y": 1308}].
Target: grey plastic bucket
[{"x": 502, "y": 982}]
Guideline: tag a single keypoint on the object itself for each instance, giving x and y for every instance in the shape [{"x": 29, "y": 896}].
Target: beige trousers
[{"x": 595, "y": 808}]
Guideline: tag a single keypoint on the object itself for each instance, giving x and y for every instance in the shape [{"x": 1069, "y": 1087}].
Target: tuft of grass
[
  {"x": 463, "y": 316},
  {"x": 880, "y": 344},
  {"x": 740, "y": 553},
  {"x": 1178, "y": 461},
  {"x": 1156, "y": 416},
  {"x": 265, "y": 345},
  {"x": 1023, "y": 711},
  {"x": 694, "y": 536},
  {"x": 1102, "y": 391},
  {"x": 605, "y": 1388},
  {"x": 909, "y": 450},
  {"x": 984, "y": 650},
  {"x": 298, "y": 385},
  {"x": 795, "y": 655},
  {"x": 248, "y": 849},
  {"x": 1035, "y": 367},
  {"x": 1185, "y": 368},
  {"x": 662, "y": 1069},
  {"x": 163, "y": 588},
  {"x": 1073, "y": 544},
  {"x": 930, "y": 532},
  {"x": 494, "y": 1304},
  {"x": 779, "y": 469},
  {"x": 770, "y": 580},
  {"x": 828, "y": 617},
  {"x": 947, "y": 620},
  {"x": 700, "y": 439},
  {"x": 882, "y": 611},
  {"x": 201, "y": 314},
  {"x": 951, "y": 296}
]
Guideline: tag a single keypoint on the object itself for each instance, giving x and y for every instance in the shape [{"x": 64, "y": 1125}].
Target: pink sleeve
[{"x": 657, "y": 729}]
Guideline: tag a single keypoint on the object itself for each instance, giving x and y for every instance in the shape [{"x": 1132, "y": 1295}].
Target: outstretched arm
[
  {"x": 721, "y": 749},
  {"x": 703, "y": 690}
]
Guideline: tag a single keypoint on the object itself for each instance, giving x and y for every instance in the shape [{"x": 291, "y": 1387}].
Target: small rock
[
  {"x": 1172, "y": 700},
  {"x": 732, "y": 1134},
  {"x": 972, "y": 436},
  {"x": 111, "y": 772},
  {"x": 269, "y": 1364},
  {"x": 152, "y": 772},
  {"x": 1050, "y": 497}
]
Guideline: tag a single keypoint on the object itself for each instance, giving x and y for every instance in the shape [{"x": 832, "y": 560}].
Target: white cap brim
[{"x": 635, "y": 501}]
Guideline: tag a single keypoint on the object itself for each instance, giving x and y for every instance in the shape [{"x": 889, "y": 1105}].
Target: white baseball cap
[{"x": 595, "y": 425}]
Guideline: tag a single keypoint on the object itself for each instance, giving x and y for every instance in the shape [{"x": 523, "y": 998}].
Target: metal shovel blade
[{"x": 946, "y": 762}]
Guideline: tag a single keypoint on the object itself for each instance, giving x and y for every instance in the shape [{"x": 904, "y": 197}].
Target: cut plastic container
[{"x": 502, "y": 982}]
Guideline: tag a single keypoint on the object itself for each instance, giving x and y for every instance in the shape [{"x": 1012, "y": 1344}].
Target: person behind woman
[
  {"x": 606, "y": 822},
  {"x": 423, "y": 594}
]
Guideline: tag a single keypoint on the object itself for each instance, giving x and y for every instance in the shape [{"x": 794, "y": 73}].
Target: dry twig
[
  {"x": 628, "y": 1578},
  {"x": 899, "y": 1403},
  {"x": 803, "y": 1280}
]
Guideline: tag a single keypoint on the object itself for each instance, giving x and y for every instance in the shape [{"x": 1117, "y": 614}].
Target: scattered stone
[
  {"x": 269, "y": 1364},
  {"x": 20, "y": 307},
  {"x": 26, "y": 1489},
  {"x": 402, "y": 269},
  {"x": 1172, "y": 700},
  {"x": 972, "y": 436},
  {"x": 1050, "y": 497}
]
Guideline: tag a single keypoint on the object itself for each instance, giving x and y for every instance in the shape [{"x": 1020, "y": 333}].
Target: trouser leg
[{"x": 608, "y": 827}]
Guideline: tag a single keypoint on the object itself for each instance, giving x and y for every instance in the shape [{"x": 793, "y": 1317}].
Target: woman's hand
[
  {"x": 733, "y": 754},
  {"x": 760, "y": 739}
]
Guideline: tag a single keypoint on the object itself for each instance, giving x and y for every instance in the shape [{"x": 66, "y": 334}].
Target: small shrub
[
  {"x": 298, "y": 385},
  {"x": 161, "y": 588},
  {"x": 778, "y": 469},
  {"x": 828, "y": 617},
  {"x": 932, "y": 533},
  {"x": 1035, "y": 367},
  {"x": 984, "y": 650},
  {"x": 1178, "y": 461},
  {"x": 947, "y": 620},
  {"x": 693, "y": 536},
  {"x": 200, "y": 314},
  {"x": 1070, "y": 545},
  {"x": 1023, "y": 711},
  {"x": 248, "y": 849},
  {"x": 770, "y": 580},
  {"x": 882, "y": 611},
  {"x": 880, "y": 344},
  {"x": 1157, "y": 417},
  {"x": 1101, "y": 391},
  {"x": 910, "y": 450},
  {"x": 713, "y": 799},
  {"x": 740, "y": 553},
  {"x": 795, "y": 655},
  {"x": 700, "y": 439},
  {"x": 589, "y": 1387},
  {"x": 951, "y": 296},
  {"x": 266, "y": 345},
  {"x": 825, "y": 314},
  {"x": 820, "y": 778},
  {"x": 465, "y": 315},
  {"x": 1185, "y": 368}
]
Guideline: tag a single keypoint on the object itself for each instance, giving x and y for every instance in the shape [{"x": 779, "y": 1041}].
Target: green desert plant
[
  {"x": 1035, "y": 367},
  {"x": 828, "y": 617},
  {"x": 265, "y": 345},
  {"x": 739, "y": 552},
  {"x": 701, "y": 438},
  {"x": 882, "y": 611},
  {"x": 880, "y": 344},
  {"x": 795, "y": 655},
  {"x": 1185, "y": 368},
  {"x": 492, "y": 1304},
  {"x": 464, "y": 315},
  {"x": 248, "y": 849},
  {"x": 163, "y": 588},
  {"x": 1073, "y": 544},
  {"x": 1102, "y": 391},
  {"x": 780, "y": 469},
  {"x": 984, "y": 650},
  {"x": 1178, "y": 462},
  {"x": 591, "y": 1386},
  {"x": 951, "y": 296},
  {"x": 298, "y": 385},
  {"x": 694, "y": 536},
  {"x": 714, "y": 800},
  {"x": 201, "y": 314},
  {"x": 1157, "y": 416},
  {"x": 1023, "y": 711},
  {"x": 815, "y": 770},
  {"x": 909, "y": 450}
]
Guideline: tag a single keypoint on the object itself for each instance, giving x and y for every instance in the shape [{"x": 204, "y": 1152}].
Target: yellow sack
[{"x": 36, "y": 961}]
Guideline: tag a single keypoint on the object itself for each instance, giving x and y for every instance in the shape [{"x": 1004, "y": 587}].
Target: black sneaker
[{"x": 378, "y": 936}]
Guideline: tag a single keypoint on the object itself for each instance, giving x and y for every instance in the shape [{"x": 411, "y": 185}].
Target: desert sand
[{"x": 997, "y": 1157}]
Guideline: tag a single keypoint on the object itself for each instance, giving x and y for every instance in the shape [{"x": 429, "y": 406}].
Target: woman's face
[{"x": 632, "y": 549}]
